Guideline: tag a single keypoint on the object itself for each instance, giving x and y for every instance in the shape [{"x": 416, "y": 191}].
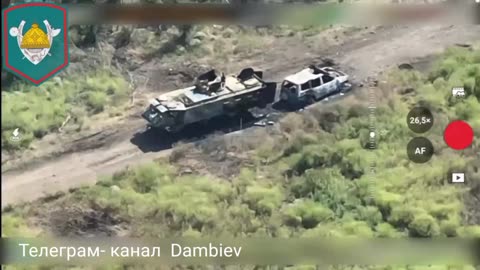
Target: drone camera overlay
[{"x": 240, "y": 135}]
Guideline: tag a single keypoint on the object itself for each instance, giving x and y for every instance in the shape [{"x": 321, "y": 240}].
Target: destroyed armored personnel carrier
[{"x": 212, "y": 95}]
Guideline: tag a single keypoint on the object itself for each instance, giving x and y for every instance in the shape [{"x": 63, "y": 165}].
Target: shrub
[
  {"x": 307, "y": 213},
  {"x": 402, "y": 215},
  {"x": 263, "y": 200},
  {"x": 386, "y": 230},
  {"x": 96, "y": 101},
  {"x": 386, "y": 200},
  {"x": 147, "y": 177},
  {"x": 423, "y": 225},
  {"x": 469, "y": 231},
  {"x": 370, "y": 214},
  {"x": 449, "y": 227},
  {"x": 357, "y": 228}
]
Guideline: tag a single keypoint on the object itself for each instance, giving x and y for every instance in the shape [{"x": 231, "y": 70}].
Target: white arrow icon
[{"x": 15, "y": 135}]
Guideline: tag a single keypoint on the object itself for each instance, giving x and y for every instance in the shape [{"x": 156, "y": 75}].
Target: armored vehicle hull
[{"x": 212, "y": 95}]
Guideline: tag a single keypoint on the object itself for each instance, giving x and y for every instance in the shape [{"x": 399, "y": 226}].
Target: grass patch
[
  {"x": 14, "y": 225},
  {"x": 37, "y": 111}
]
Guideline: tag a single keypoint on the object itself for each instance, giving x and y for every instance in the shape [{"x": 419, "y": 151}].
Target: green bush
[
  {"x": 469, "y": 231},
  {"x": 423, "y": 225},
  {"x": 449, "y": 227},
  {"x": 370, "y": 214},
  {"x": 307, "y": 214},
  {"x": 357, "y": 228},
  {"x": 263, "y": 200},
  {"x": 96, "y": 101},
  {"x": 386, "y": 230}
]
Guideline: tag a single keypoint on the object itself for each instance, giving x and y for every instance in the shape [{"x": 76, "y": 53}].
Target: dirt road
[{"x": 362, "y": 57}]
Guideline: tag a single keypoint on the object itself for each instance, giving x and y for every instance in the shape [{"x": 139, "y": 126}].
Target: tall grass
[{"x": 37, "y": 111}]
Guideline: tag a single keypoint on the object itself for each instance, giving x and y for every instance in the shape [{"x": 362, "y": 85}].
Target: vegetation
[
  {"x": 312, "y": 177},
  {"x": 38, "y": 111}
]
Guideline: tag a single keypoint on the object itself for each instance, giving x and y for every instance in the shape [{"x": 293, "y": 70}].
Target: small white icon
[
  {"x": 477, "y": 1},
  {"x": 458, "y": 92},
  {"x": 458, "y": 178},
  {"x": 15, "y": 135}
]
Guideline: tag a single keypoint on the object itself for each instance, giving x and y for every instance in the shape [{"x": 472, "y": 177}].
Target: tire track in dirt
[{"x": 363, "y": 57}]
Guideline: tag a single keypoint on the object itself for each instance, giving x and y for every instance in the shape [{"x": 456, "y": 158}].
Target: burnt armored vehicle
[{"x": 212, "y": 95}]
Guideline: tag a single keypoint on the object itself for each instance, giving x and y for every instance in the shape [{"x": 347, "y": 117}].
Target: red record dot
[{"x": 458, "y": 135}]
